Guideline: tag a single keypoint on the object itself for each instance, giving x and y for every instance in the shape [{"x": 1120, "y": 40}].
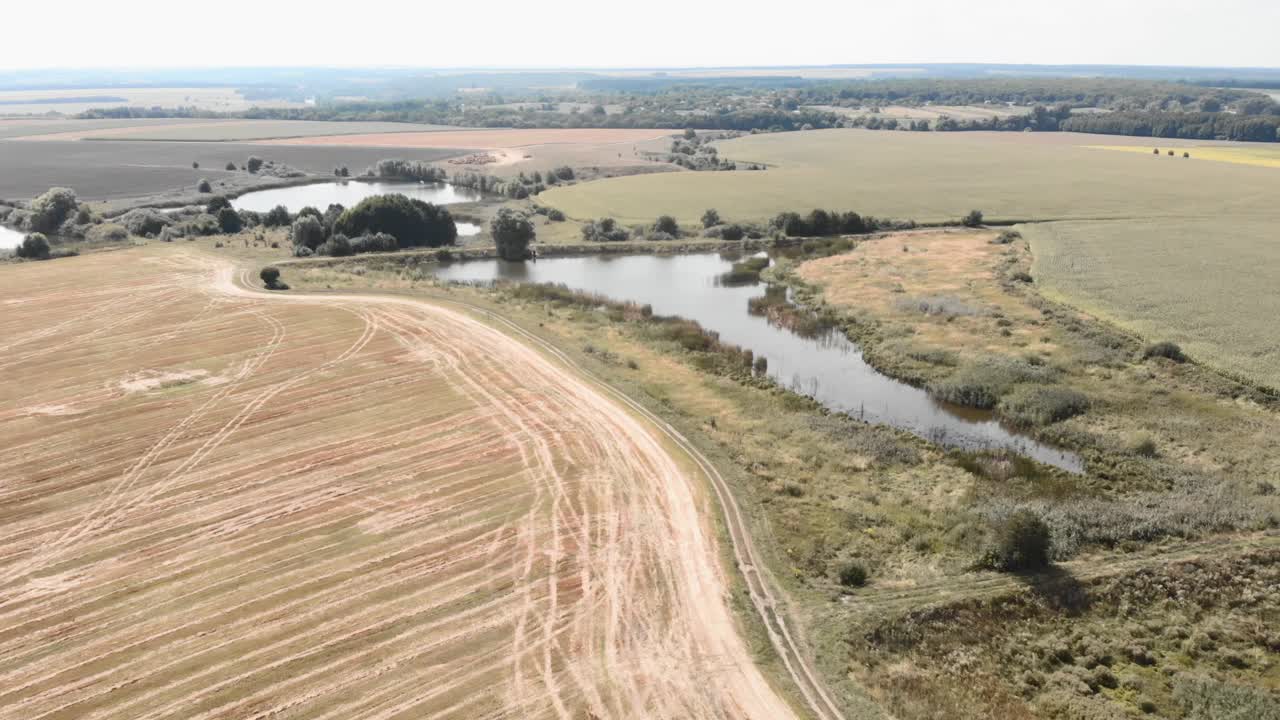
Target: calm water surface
[
  {"x": 828, "y": 368},
  {"x": 10, "y": 238},
  {"x": 350, "y": 192}
]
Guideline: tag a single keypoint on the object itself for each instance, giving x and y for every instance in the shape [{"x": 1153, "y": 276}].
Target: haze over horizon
[{"x": 663, "y": 34}]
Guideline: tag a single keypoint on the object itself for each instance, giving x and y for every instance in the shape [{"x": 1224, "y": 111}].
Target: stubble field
[
  {"x": 107, "y": 170},
  {"x": 220, "y": 504},
  {"x": 1207, "y": 284},
  {"x": 932, "y": 177}
]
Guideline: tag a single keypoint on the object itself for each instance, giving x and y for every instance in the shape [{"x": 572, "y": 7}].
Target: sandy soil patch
[{"x": 148, "y": 380}]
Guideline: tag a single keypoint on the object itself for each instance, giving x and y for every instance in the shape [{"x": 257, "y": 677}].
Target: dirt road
[{"x": 220, "y": 505}]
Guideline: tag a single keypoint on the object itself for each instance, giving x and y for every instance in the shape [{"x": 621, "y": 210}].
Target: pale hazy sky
[{"x": 654, "y": 33}]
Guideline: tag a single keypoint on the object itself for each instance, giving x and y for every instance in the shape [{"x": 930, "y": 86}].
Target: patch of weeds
[{"x": 1029, "y": 405}]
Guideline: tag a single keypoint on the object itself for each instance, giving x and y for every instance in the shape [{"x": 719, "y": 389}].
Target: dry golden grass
[
  {"x": 891, "y": 277},
  {"x": 222, "y": 504}
]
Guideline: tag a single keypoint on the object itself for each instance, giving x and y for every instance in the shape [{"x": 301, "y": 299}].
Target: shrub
[
  {"x": 852, "y": 574},
  {"x": 667, "y": 224},
  {"x": 277, "y": 216},
  {"x": 34, "y": 247},
  {"x": 254, "y": 164},
  {"x": 973, "y": 219},
  {"x": 761, "y": 365},
  {"x": 1167, "y": 350},
  {"x": 983, "y": 383},
  {"x": 195, "y": 165},
  {"x": 604, "y": 230},
  {"x": 144, "y": 221},
  {"x": 231, "y": 167},
  {"x": 412, "y": 222},
  {"x": 555, "y": 215},
  {"x": 107, "y": 232},
  {"x": 51, "y": 209},
  {"x": 512, "y": 232},
  {"x": 1021, "y": 542},
  {"x": 203, "y": 186},
  {"x": 216, "y": 203},
  {"x": 732, "y": 232},
  {"x": 563, "y": 173},
  {"x": 1205, "y": 698},
  {"x": 1021, "y": 276},
  {"x": 229, "y": 220},
  {"x": 378, "y": 242},
  {"x": 710, "y": 218},
  {"x": 1140, "y": 444},
  {"x": 1040, "y": 405},
  {"x": 202, "y": 224},
  {"x": 336, "y": 246},
  {"x": 271, "y": 278},
  {"x": 1006, "y": 237}
]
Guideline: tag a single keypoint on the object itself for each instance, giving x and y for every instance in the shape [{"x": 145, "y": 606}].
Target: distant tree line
[
  {"x": 1192, "y": 126},
  {"x": 1108, "y": 93}
]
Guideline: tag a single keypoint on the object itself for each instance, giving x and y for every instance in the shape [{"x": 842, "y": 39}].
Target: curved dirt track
[{"x": 220, "y": 505}]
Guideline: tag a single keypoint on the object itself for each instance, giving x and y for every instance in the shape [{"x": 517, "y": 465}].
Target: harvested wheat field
[
  {"x": 216, "y": 503},
  {"x": 490, "y": 139}
]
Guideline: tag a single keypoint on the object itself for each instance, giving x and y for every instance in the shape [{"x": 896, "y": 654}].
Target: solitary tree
[
  {"x": 307, "y": 231},
  {"x": 512, "y": 233},
  {"x": 229, "y": 220},
  {"x": 255, "y": 163},
  {"x": 51, "y": 209},
  {"x": 973, "y": 219},
  {"x": 195, "y": 165},
  {"x": 271, "y": 278},
  {"x": 231, "y": 167},
  {"x": 710, "y": 218},
  {"x": 667, "y": 224},
  {"x": 204, "y": 186}
]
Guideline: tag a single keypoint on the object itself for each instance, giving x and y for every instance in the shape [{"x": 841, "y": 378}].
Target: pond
[
  {"x": 348, "y": 193},
  {"x": 828, "y": 367},
  {"x": 10, "y": 238}
]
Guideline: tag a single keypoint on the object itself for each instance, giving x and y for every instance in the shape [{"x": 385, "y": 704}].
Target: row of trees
[
  {"x": 820, "y": 223},
  {"x": 1192, "y": 126}
]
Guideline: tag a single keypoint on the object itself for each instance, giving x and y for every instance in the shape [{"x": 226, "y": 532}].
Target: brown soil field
[
  {"x": 225, "y": 503},
  {"x": 488, "y": 139}
]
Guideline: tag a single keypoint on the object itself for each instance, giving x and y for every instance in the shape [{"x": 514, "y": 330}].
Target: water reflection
[
  {"x": 348, "y": 193},
  {"x": 825, "y": 366}
]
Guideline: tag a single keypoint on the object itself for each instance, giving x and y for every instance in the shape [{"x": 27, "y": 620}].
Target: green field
[
  {"x": 933, "y": 177},
  {"x": 1209, "y": 285}
]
